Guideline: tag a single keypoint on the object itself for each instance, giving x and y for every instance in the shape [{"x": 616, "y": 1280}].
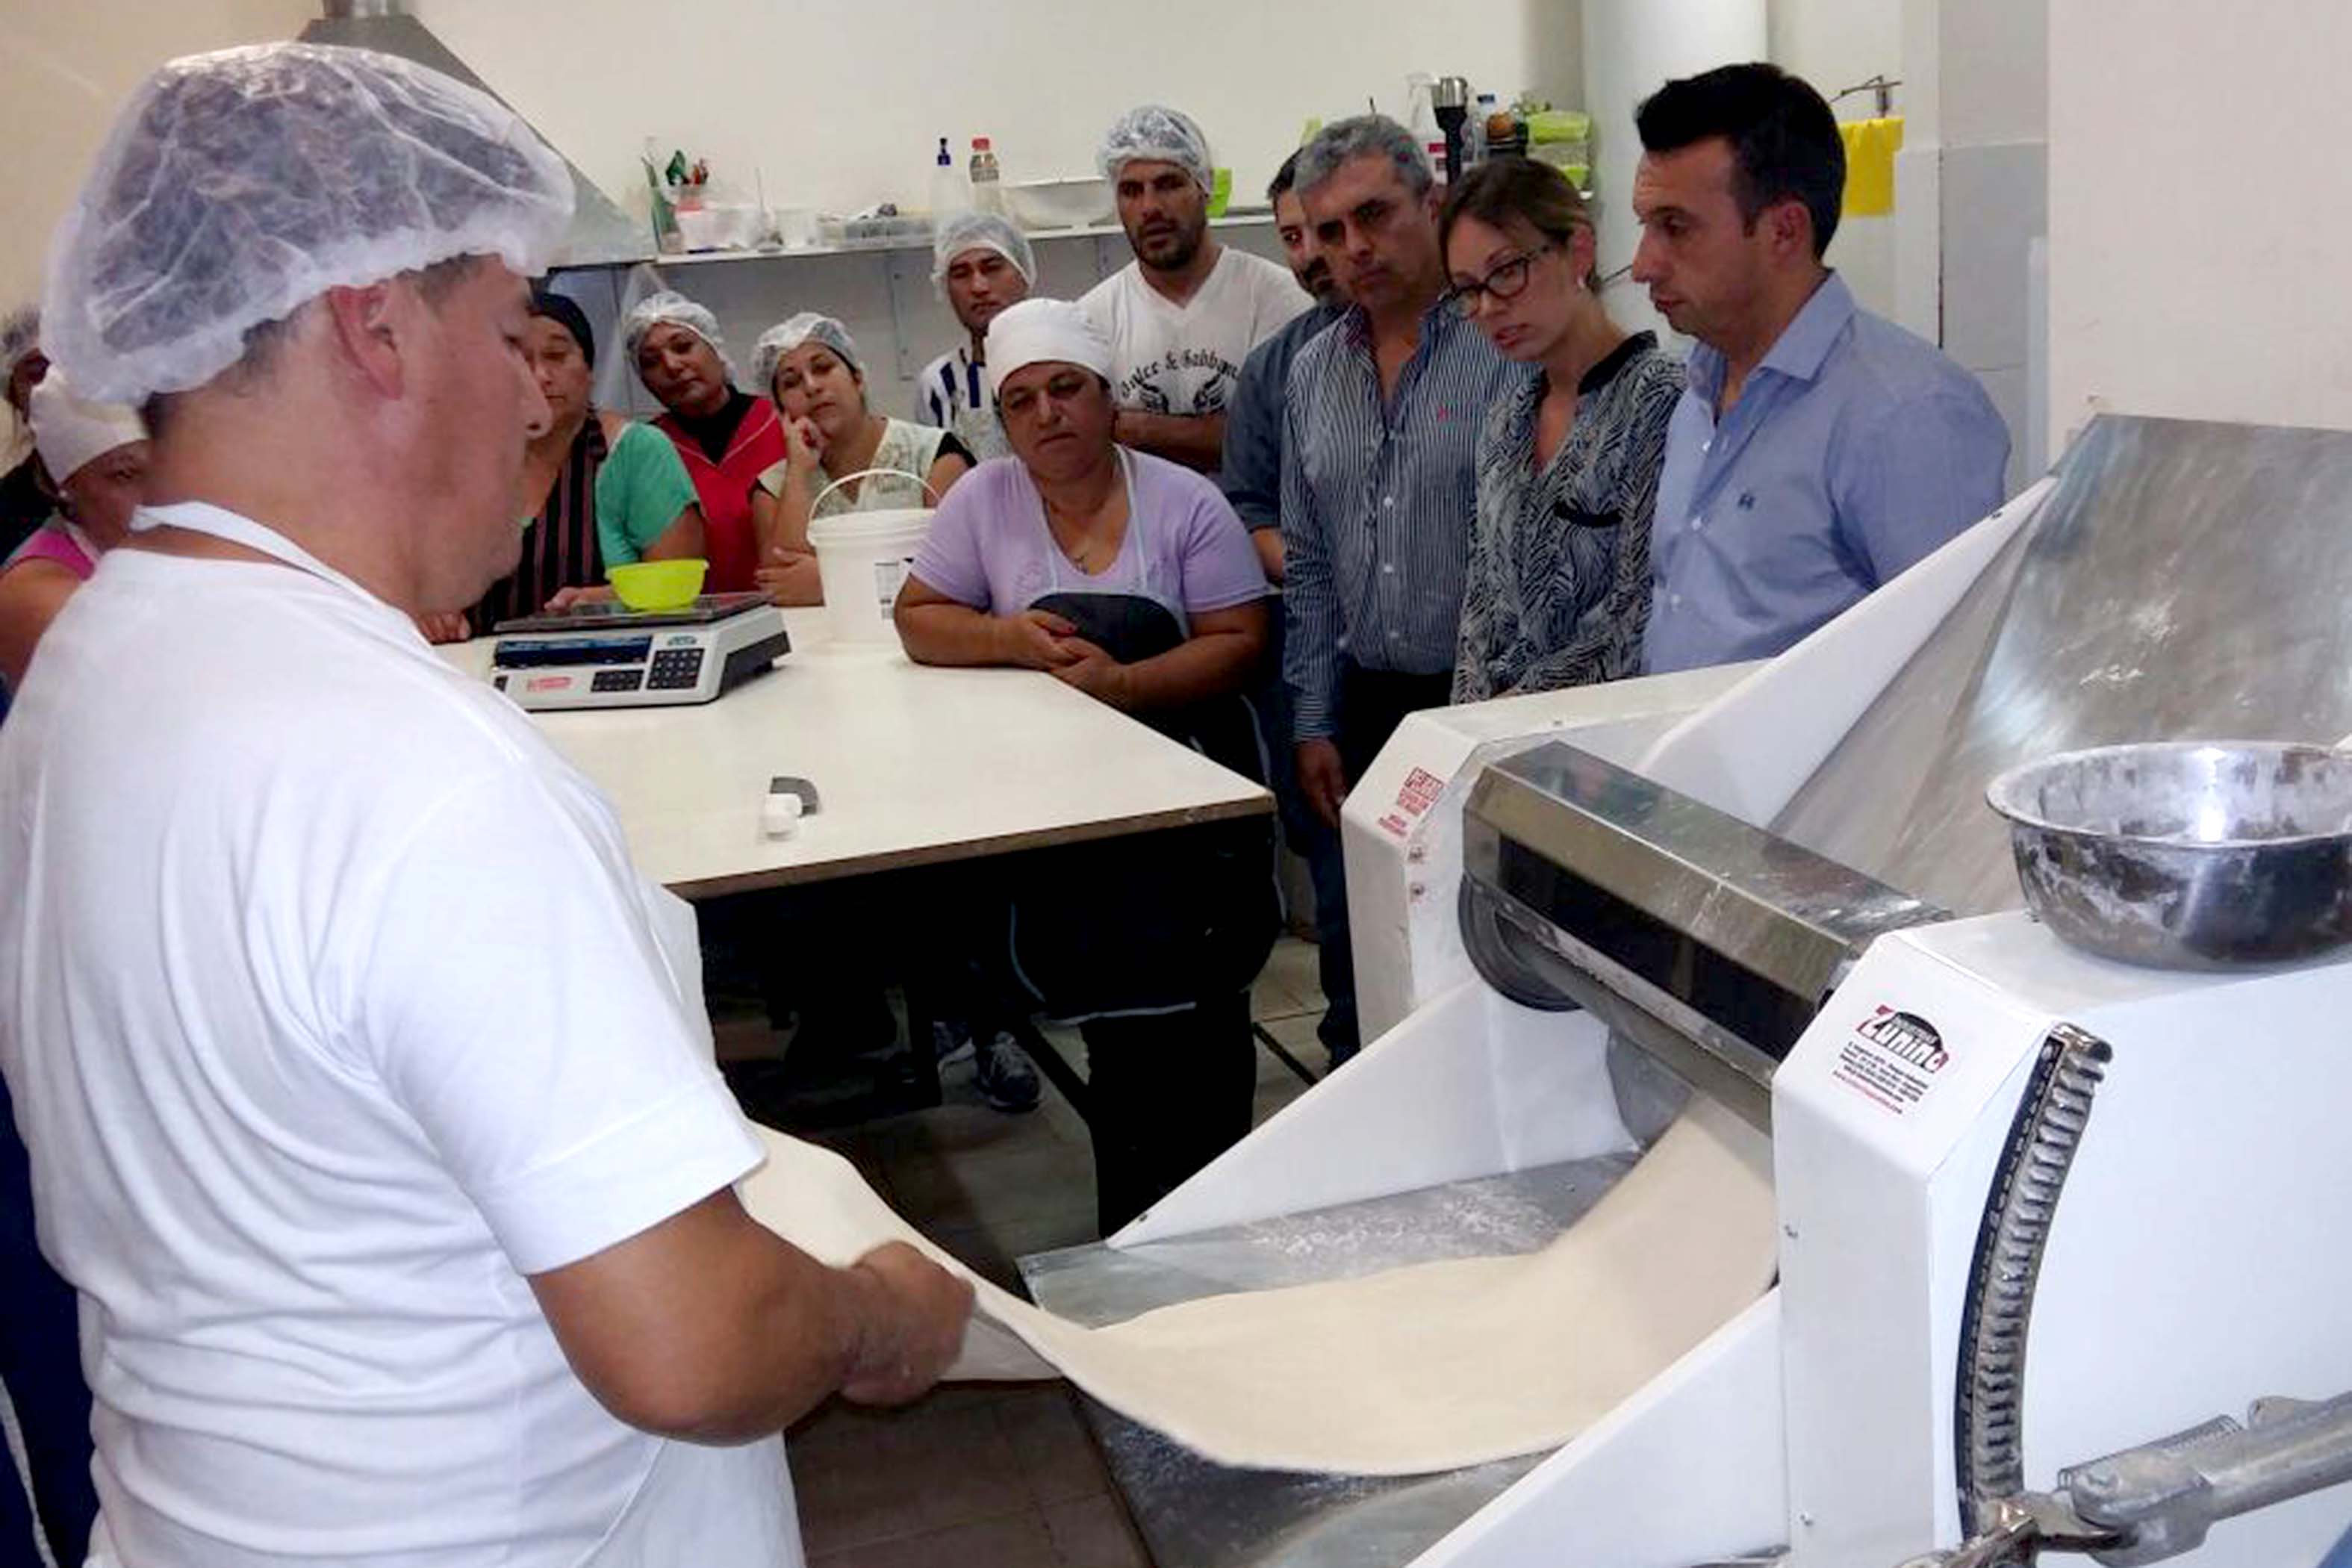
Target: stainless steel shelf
[{"x": 887, "y": 248}]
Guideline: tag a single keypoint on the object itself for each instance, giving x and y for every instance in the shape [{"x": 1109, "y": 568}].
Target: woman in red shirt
[{"x": 726, "y": 437}]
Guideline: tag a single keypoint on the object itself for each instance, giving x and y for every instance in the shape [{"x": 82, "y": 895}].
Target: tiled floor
[{"x": 993, "y": 1476}]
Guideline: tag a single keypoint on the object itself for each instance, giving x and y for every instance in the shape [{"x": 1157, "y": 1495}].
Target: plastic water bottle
[
  {"x": 987, "y": 192},
  {"x": 949, "y": 192},
  {"x": 1475, "y": 149}
]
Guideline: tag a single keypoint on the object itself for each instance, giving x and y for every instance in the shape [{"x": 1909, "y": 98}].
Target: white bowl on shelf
[{"x": 1061, "y": 203}]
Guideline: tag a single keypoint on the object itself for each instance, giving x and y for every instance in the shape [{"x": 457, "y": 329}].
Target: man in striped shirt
[
  {"x": 1379, "y": 480},
  {"x": 982, "y": 264}
]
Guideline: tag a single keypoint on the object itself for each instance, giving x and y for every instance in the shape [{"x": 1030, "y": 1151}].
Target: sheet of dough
[{"x": 1415, "y": 1370}]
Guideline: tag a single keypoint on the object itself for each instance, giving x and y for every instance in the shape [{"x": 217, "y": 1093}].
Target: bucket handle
[{"x": 818, "y": 499}]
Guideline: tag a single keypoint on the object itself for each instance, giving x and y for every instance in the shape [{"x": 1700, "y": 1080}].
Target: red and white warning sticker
[{"x": 1413, "y": 798}]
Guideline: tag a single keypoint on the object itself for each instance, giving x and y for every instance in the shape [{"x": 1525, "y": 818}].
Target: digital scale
[{"x": 609, "y": 656}]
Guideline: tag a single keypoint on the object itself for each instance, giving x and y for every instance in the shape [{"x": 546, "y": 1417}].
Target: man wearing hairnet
[
  {"x": 982, "y": 263},
  {"x": 367, "y": 1088},
  {"x": 1183, "y": 315}
]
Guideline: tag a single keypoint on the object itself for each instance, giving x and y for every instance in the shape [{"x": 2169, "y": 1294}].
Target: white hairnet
[
  {"x": 1042, "y": 331},
  {"x": 672, "y": 309},
  {"x": 981, "y": 231},
  {"x": 70, "y": 432},
  {"x": 807, "y": 327},
  {"x": 1162, "y": 134},
  {"x": 20, "y": 334},
  {"x": 238, "y": 186}
]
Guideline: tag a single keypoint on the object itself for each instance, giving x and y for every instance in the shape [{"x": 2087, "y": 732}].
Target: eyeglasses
[{"x": 1506, "y": 281}]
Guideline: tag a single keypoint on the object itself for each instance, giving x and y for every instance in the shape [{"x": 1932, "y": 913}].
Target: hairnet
[
  {"x": 70, "y": 432},
  {"x": 20, "y": 334},
  {"x": 672, "y": 309},
  {"x": 238, "y": 186},
  {"x": 981, "y": 231},
  {"x": 808, "y": 327},
  {"x": 1042, "y": 331},
  {"x": 1162, "y": 134}
]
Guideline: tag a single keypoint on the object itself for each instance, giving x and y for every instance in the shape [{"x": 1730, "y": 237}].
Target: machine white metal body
[{"x": 1900, "y": 1056}]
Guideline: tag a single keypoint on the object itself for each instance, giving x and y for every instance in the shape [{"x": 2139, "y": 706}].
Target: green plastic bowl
[{"x": 657, "y": 584}]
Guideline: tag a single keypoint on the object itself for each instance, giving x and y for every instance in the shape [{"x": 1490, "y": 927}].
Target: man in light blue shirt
[{"x": 1818, "y": 450}]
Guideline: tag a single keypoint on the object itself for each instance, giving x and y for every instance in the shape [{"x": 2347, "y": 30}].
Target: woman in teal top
[{"x": 646, "y": 506}]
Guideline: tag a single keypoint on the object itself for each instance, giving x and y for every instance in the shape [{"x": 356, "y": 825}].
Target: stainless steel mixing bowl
[{"x": 2187, "y": 854}]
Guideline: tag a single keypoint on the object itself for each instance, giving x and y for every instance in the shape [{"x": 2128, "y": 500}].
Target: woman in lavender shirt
[{"x": 1131, "y": 579}]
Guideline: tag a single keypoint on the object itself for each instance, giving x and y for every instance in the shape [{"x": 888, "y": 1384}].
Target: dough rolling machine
[{"x": 2061, "y": 1252}]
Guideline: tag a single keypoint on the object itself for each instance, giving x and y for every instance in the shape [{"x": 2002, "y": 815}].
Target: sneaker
[
  {"x": 1003, "y": 1074},
  {"x": 951, "y": 1040}
]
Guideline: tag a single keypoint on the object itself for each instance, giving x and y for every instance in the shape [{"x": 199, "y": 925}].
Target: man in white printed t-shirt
[
  {"x": 1183, "y": 315},
  {"x": 367, "y": 1088}
]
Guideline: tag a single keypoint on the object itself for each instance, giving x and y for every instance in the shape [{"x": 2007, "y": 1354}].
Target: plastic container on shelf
[
  {"x": 719, "y": 225},
  {"x": 1507, "y": 134},
  {"x": 1421, "y": 118},
  {"x": 1060, "y": 203},
  {"x": 875, "y": 231}
]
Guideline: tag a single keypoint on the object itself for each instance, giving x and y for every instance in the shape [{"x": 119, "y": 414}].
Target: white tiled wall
[
  {"x": 2199, "y": 225},
  {"x": 1995, "y": 204},
  {"x": 1992, "y": 115},
  {"x": 1863, "y": 254}
]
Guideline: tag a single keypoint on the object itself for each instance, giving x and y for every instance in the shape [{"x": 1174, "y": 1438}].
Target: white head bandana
[
  {"x": 71, "y": 432},
  {"x": 1040, "y": 332}
]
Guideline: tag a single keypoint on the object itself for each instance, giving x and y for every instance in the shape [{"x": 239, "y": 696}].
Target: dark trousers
[
  {"x": 1373, "y": 703},
  {"x": 1166, "y": 1093},
  {"x": 40, "y": 1365}
]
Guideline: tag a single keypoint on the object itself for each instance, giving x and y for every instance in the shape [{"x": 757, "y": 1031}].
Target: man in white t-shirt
[
  {"x": 366, "y": 1084},
  {"x": 1183, "y": 315}
]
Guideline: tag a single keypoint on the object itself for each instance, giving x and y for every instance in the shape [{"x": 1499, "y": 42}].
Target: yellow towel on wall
[{"x": 1870, "y": 149}]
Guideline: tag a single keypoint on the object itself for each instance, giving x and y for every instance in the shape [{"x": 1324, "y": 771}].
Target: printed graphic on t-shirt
[{"x": 1175, "y": 383}]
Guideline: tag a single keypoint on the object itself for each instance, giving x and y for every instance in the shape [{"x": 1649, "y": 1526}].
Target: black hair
[
  {"x": 1286, "y": 179},
  {"x": 547, "y": 305},
  {"x": 1784, "y": 142}
]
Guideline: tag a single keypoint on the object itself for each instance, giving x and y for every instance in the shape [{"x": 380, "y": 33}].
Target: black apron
[{"x": 1153, "y": 922}]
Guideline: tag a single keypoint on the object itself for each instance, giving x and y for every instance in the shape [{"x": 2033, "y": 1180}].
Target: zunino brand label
[
  {"x": 1907, "y": 1036},
  {"x": 1892, "y": 1059}
]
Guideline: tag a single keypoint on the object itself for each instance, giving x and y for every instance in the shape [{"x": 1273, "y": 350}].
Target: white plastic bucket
[{"x": 863, "y": 558}]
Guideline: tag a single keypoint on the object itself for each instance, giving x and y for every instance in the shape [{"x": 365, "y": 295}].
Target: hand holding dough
[{"x": 1414, "y": 1370}]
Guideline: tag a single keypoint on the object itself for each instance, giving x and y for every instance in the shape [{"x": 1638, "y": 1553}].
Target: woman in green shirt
[{"x": 645, "y": 505}]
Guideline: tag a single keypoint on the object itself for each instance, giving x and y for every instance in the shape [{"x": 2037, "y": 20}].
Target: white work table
[{"x": 912, "y": 765}]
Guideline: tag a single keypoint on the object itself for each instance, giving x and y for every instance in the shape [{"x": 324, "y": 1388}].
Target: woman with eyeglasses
[{"x": 1558, "y": 588}]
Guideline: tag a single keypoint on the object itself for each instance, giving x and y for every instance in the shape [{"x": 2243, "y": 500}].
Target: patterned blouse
[{"x": 1557, "y": 589}]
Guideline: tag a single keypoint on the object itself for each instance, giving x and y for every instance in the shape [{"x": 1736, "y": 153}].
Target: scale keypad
[
  {"x": 674, "y": 668},
  {"x": 619, "y": 680}
]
